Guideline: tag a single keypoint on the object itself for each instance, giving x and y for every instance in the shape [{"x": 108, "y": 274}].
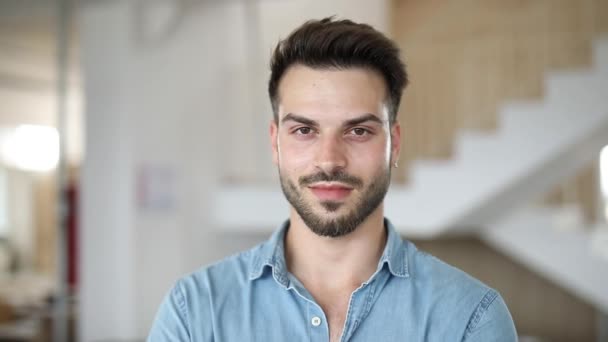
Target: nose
[{"x": 331, "y": 154}]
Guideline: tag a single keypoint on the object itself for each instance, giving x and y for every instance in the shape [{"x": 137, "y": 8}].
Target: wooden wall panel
[{"x": 600, "y": 16}]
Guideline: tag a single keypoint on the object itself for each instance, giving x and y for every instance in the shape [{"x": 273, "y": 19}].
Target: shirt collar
[
  {"x": 271, "y": 254},
  {"x": 395, "y": 253}
]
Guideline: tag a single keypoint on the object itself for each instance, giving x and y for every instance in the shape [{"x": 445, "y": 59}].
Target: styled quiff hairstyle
[{"x": 339, "y": 44}]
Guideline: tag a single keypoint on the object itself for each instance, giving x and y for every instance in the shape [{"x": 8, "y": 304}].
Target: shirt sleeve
[
  {"x": 171, "y": 322},
  {"x": 491, "y": 321}
]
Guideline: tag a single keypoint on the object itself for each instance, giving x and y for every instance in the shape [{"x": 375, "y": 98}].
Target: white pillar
[{"x": 107, "y": 246}]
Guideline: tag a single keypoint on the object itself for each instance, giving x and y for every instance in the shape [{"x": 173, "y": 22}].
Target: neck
[{"x": 335, "y": 263}]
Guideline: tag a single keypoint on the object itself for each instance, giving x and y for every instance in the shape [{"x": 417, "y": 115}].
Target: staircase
[
  {"x": 572, "y": 258},
  {"x": 537, "y": 145}
]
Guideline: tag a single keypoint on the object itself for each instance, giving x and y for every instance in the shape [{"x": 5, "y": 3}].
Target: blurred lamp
[{"x": 31, "y": 148}]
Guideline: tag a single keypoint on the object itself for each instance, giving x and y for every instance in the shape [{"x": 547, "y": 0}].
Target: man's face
[{"x": 333, "y": 145}]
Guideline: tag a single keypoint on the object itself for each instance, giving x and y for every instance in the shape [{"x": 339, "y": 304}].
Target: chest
[
  {"x": 335, "y": 308},
  {"x": 391, "y": 312}
]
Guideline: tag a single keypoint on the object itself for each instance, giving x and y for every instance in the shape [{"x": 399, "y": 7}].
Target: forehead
[{"x": 327, "y": 92}]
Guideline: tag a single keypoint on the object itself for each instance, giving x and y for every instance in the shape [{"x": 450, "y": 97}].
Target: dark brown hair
[{"x": 340, "y": 44}]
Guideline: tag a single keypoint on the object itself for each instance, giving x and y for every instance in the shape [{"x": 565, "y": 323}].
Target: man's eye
[
  {"x": 359, "y": 131},
  {"x": 303, "y": 130}
]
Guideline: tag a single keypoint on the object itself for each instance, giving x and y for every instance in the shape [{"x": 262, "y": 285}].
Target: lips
[{"x": 331, "y": 192}]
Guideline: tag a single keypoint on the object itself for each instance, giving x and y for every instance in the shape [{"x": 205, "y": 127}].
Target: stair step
[
  {"x": 523, "y": 118},
  {"x": 569, "y": 84},
  {"x": 600, "y": 55},
  {"x": 477, "y": 143},
  {"x": 428, "y": 171},
  {"x": 459, "y": 177}
]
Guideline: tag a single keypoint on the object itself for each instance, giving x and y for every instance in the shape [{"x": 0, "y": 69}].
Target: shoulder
[
  {"x": 426, "y": 267},
  {"x": 458, "y": 293},
  {"x": 491, "y": 321},
  {"x": 229, "y": 273},
  {"x": 191, "y": 305},
  {"x": 439, "y": 275}
]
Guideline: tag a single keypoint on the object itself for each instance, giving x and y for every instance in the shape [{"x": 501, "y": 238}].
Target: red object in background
[{"x": 71, "y": 195}]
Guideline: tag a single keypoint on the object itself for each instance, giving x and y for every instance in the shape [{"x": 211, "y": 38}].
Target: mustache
[{"x": 339, "y": 176}]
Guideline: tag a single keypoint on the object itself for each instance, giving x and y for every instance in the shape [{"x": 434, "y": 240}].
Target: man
[{"x": 336, "y": 270}]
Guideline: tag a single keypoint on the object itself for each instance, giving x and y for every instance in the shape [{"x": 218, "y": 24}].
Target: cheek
[
  {"x": 294, "y": 155},
  {"x": 371, "y": 155},
  {"x": 367, "y": 164}
]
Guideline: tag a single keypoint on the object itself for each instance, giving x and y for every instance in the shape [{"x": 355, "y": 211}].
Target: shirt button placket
[{"x": 317, "y": 324}]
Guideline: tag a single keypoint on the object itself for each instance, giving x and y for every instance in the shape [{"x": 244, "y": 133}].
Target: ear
[
  {"x": 395, "y": 142},
  {"x": 274, "y": 141}
]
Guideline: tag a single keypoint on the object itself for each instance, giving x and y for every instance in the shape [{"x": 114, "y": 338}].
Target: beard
[{"x": 371, "y": 197}]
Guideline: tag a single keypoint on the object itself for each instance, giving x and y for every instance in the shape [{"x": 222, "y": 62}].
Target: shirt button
[{"x": 316, "y": 321}]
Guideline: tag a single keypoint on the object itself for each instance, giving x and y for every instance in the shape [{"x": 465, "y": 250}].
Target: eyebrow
[
  {"x": 300, "y": 119},
  {"x": 362, "y": 119},
  {"x": 351, "y": 122}
]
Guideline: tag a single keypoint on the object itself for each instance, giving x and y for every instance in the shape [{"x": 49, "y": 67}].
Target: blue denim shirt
[{"x": 412, "y": 296}]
